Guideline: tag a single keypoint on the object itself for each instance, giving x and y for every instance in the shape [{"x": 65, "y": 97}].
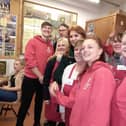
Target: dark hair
[
  {"x": 64, "y": 25},
  {"x": 100, "y": 44},
  {"x": 117, "y": 37},
  {"x": 78, "y": 29},
  {"x": 45, "y": 24}
]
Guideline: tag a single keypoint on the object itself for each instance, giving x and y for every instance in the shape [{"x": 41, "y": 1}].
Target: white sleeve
[
  {"x": 65, "y": 75},
  {"x": 62, "y": 108}
]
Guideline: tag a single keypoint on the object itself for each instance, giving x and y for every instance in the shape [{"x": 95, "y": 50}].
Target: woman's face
[
  {"x": 90, "y": 51},
  {"x": 62, "y": 47},
  {"x": 116, "y": 46},
  {"x": 77, "y": 54},
  {"x": 17, "y": 66},
  {"x": 74, "y": 37},
  {"x": 123, "y": 48}
]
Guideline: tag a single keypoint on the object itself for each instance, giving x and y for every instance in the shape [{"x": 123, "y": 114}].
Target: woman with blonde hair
[
  {"x": 9, "y": 92},
  {"x": 53, "y": 73}
]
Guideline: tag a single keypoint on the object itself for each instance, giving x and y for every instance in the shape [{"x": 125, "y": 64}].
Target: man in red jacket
[{"x": 37, "y": 52}]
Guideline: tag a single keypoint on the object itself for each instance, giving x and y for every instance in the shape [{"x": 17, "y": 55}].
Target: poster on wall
[
  {"x": 7, "y": 35},
  {"x": 5, "y": 6},
  {"x": 90, "y": 27},
  {"x": 3, "y": 68}
]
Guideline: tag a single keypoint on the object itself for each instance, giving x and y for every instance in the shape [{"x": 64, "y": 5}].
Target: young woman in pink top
[
  {"x": 91, "y": 98},
  {"x": 119, "y": 102}
]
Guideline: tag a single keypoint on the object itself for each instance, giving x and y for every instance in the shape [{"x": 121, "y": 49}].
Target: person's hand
[
  {"x": 41, "y": 79},
  {"x": 46, "y": 101},
  {"x": 3, "y": 87},
  {"x": 53, "y": 88}
]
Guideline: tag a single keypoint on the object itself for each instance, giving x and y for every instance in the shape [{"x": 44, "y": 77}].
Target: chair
[{"x": 9, "y": 106}]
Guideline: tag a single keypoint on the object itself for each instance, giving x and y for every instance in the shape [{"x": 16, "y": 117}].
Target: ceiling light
[{"x": 94, "y": 1}]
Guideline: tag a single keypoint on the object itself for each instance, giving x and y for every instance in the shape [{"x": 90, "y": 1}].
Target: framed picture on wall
[
  {"x": 3, "y": 65},
  {"x": 4, "y": 6},
  {"x": 90, "y": 27},
  {"x": 7, "y": 35},
  {"x": 35, "y": 14}
]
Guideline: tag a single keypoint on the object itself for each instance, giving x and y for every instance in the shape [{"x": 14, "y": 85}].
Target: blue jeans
[{"x": 8, "y": 95}]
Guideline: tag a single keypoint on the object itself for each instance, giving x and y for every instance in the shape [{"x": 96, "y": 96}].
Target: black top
[
  {"x": 57, "y": 75},
  {"x": 12, "y": 81}
]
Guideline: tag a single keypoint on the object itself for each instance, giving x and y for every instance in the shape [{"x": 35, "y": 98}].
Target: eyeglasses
[{"x": 60, "y": 30}]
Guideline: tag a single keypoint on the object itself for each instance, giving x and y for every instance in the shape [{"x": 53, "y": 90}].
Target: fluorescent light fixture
[{"x": 94, "y": 1}]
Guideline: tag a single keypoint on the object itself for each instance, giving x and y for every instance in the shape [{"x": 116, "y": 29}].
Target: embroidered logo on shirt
[
  {"x": 48, "y": 49},
  {"x": 88, "y": 84}
]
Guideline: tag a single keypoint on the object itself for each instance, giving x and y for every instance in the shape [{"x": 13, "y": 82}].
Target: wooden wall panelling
[
  {"x": 104, "y": 26},
  {"x": 16, "y": 8}
]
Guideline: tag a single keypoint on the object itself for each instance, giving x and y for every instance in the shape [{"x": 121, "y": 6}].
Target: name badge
[{"x": 121, "y": 67}]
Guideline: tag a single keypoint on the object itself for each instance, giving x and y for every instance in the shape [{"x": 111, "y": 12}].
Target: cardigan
[{"x": 57, "y": 75}]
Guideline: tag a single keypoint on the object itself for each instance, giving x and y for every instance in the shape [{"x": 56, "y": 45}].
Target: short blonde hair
[
  {"x": 21, "y": 60},
  {"x": 65, "y": 41}
]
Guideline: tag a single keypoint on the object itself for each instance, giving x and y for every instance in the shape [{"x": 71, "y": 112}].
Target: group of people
[{"x": 81, "y": 80}]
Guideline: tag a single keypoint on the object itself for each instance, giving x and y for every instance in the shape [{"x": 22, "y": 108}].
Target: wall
[
  {"x": 85, "y": 10},
  {"x": 83, "y": 15}
]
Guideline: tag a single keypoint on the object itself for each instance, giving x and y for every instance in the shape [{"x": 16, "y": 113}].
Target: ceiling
[
  {"x": 113, "y": 2},
  {"x": 81, "y": 3}
]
